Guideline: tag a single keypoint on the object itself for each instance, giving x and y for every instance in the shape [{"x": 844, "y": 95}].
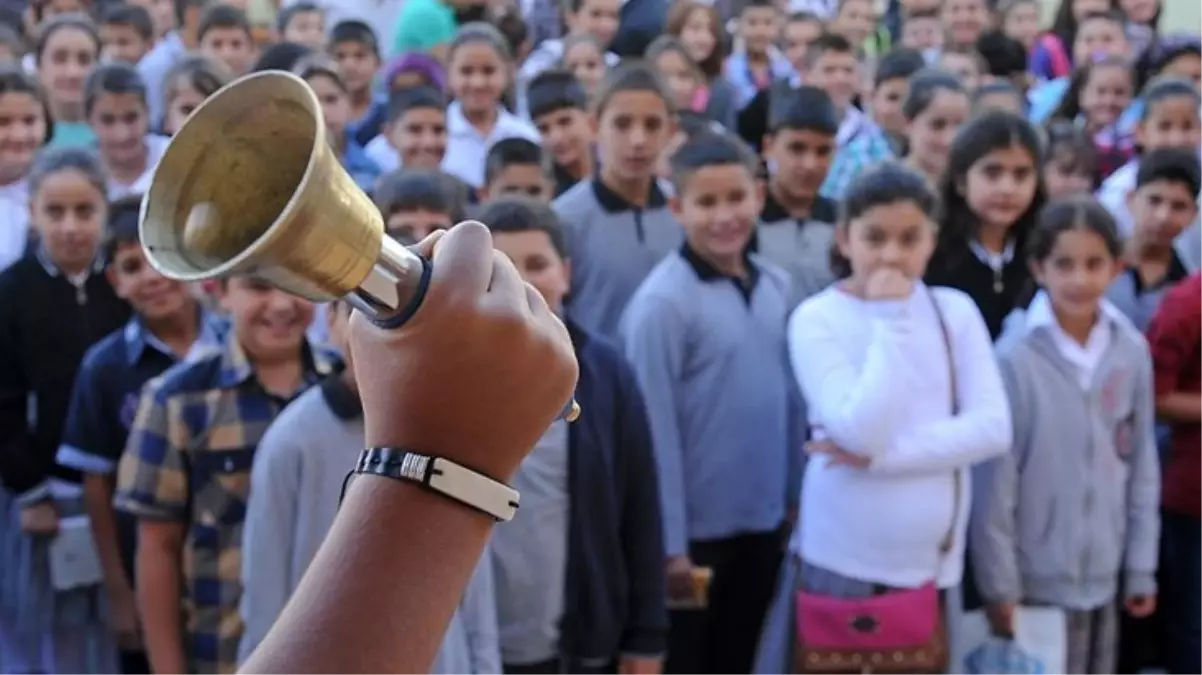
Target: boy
[
  {"x": 324, "y": 77},
  {"x": 185, "y": 473},
  {"x": 296, "y": 486},
  {"x": 965, "y": 63},
  {"x": 415, "y": 131},
  {"x": 1099, "y": 35},
  {"x": 302, "y": 23},
  {"x": 415, "y": 203},
  {"x": 225, "y": 36},
  {"x": 796, "y": 228},
  {"x": 580, "y": 578},
  {"x": 558, "y": 105},
  {"x": 127, "y": 34},
  {"x": 800, "y": 31},
  {"x": 831, "y": 65},
  {"x": 722, "y": 416},
  {"x": 354, "y": 47},
  {"x": 1162, "y": 205},
  {"x": 162, "y": 15},
  {"x": 168, "y": 325},
  {"x": 758, "y": 63},
  {"x": 174, "y": 47},
  {"x": 923, "y": 31},
  {"x": 514, "y": 166},
  {"x": 1005, "y": 59}
]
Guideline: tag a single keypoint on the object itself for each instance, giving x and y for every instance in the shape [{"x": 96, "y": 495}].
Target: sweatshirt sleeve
[
  {"x": 20, "y": 473},
  {"x": 479, "y": 610},
  {"x": 993, "y": 542},
  {"x": 853, "y": 401},
  {"x": 982, "y": 427},
  {"x": 1143, "y": 491},
  {"x": 653, "y": 336}
]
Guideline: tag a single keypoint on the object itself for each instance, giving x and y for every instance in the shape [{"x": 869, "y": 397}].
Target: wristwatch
[{"x": 440, "y": 475}]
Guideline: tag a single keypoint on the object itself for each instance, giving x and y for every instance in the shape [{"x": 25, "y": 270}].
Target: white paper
[{"x": 73, "y": 558}]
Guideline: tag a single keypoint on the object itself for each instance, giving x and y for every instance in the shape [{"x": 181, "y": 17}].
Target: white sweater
[{"x": 875, "y": 376}]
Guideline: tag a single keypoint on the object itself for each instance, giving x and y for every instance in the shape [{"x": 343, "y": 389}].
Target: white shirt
[
  {"x": 381, "y": 15},
  {"x": 1085, "y": 357},
  {"x": 877, "y": 382},
  {"x": 467, "y": 147},
  {"x": 155, "y": 147},
  {"x": 14, "y": 221}
]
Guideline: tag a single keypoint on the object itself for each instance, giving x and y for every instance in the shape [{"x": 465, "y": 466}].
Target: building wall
[{"x": 1180, "y": 16}]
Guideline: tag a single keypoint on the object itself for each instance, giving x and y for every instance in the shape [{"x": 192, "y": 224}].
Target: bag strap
[{"x": 945, "y": 545}]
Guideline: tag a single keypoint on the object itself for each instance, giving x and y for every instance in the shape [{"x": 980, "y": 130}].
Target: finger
[
  {"x": 425, "y": 248},
  {"x": 462, "y": 262}
]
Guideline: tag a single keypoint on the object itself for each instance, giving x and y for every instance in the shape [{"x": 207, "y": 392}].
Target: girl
[
  {"x": 186, "y": 86},
  {"x": 480, "y": 71},
  {"x": 1052, "y": 57},
  {"x": 1020, "y": 21},
  {"x": 935, "y": 108},
  {"x": 598, "y": 18},
  {"x": 1070, "y": 160},
  {"x": 1143, "y": 19},
  {"x": 685, "y": 80},
  {"x": 322, "y": 75},
  {"x": 1098, "y": 36},
  {"x": 885, "y": 495},
  {"x": 414, "y": 70},
  {"x": 1078, "y": 379},
  {"x": 115, "y": 107},
  {"x": 67, "y": 47},
  {"x": 24, "y": 127},
  {"x": 1097, "y": 95},
  {"x": 964, "y": 21},
  {"x": 54, "y": 304},
  {"x": 991, "y": 192},
  {"x": 584, "y": 58},
  {"x": 699, "y": 28}
]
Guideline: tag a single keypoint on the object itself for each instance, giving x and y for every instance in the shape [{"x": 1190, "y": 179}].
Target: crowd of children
[{"x": 867, "y": 296}]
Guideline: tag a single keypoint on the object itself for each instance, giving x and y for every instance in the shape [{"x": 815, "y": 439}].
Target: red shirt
[{"x": 1175, "y": 337}]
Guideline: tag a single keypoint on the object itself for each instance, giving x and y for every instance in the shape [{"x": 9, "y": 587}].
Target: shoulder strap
[{"x": 945, "y": 545}]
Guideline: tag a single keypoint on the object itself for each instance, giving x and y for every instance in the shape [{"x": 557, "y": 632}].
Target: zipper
[
  {"x": 998, "y": 283},
  {"x": 81, "y": 293}
]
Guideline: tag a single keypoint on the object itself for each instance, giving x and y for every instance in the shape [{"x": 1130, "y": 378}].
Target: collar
[
  {"x": 707, "y": 272},
  {"x": 612, "y": 202},
  {"x": 210, "y": 333},
  {"x": 993, "y": 260},
  {"x": 508, "y": 125},
  {"x": 53, "y": 270},
  {"x": 1040, "y": 315},
  {"x": 823, "y": 210},
  {"x": 1176, "y": 272},
  {"x": 343, "y": 401},
  {"x": 236, "y": 368}
]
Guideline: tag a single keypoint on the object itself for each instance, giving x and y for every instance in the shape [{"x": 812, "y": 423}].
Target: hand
[
  {"x": 837, "y": 456},
  {"x": 39, "y": 518},
  {"x": 680, "y": 578},
  {"x": 1001, "y": 619},
  {"x": 888, "y": 283},
  {"x": 1140, "y": 606},
  {"x": 640, "y": 665},
  {"x": 479, "y": 372},
  {"x": 123, "y": 618}
]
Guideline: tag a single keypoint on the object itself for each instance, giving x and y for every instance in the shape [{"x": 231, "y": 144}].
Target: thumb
[{"x": 462, "y": 265}]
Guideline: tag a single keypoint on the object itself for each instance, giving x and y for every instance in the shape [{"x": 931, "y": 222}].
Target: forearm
[
  {"x": 98, "y": 501},
  {"x": 1179, "y": 407},
  {"x": 159, "y": 583},
  {"x": 379, "y": 526}
]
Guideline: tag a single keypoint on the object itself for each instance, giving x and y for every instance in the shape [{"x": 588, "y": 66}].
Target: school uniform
[
  {"x": 156, "y": 146},
  {"x": 993, "y": 280},
  {"x": 467, "y": 148},
  {"x": 188, "y": 459},
  {"x": 737, "y": 72},
  {"x": 1061, "y": 528},
  {"x": 709, "y": 354},
  {"x": 613, "y": 246},
  {"x": 1139, "y": 302},
  {"x": 800, "y": 247},
  {"x": 14, "y": 222},
  {"x": 1113, "y": 195}
]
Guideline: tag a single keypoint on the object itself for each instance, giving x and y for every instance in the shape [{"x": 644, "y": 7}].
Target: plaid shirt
[
  {"x": 852, "y": 159},
  {"x": 188, "y": 460}
]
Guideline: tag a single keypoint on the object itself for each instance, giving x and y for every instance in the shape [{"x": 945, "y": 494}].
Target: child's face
[
  {"x": 1140, "y": 11},
  {"x": 758, "y": 26},
  {"x": 680, "y": 76},
  {"x": 1022, "y": 24},
  {"x": 122, "y": 43},
  {"x": 922, "y": 33},
  {"x": 358, "y": 64},
  {"x": 420, "y": 137},
  {"x": 587, "y": 64},
  {"x": 231, "y": 46},
  {"x": 855, "y": 21},
  {"x": 1083, "y": 8},
  {"x": 1076, "y": 274},
  {"x": 120, "y": 123},
  {"x": 162, "y": 14},
  {"x": 898, "y": 236},
  {"x": 538, "y": 262},
  {"x": 22, "y": 133},
  {"x": 566, "y": 134},
  {"x": 837, "y": 73},
  {"x": 185, "y": 99},
  {"x": 335, "y": 104},
  {"x": 964, "y": 67},
  {"x": 887, "y": 101},
  {"x": 632, "y": 131},
  {"x": 70, "y": 53},
  {"x": 965, "y": 20},
  {"x": 1000, "y": 187},
  {"x": 697, "y": 35},
  {"x": 152, "y": 295},
  {"x": 68, "y": 213},
  {"x": 308, "y": 29},
  {"x": 410, "y": 227},
  {"x": 1188, "y": 66},
  {"x": 1106, "y": 94},
  {"x": 478, "y": 77},
  {"x": 270, "y": 324},
  {"x": 1100, "y": 37},
  {"x": 797, "y": 38},
  {"x": 526, "y": 180},
  {"x": 1161, "y": 210},
  {"x": 802, "y": 158},
  {"x": 598, "y": 18},
  {"x": 1063, "y": 178},
  {"x": 1170, "y": 123},
  {"x": 932, "y": 130},
  {"x": 718, "y": 207}
]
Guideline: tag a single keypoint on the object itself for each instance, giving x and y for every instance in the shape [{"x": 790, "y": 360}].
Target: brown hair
[{"x": 679, "y": 15}]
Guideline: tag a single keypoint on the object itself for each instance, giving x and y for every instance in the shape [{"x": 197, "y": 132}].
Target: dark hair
[
  {"x": 1071, "y": 146},
  {"x": 899, "y": 64},
  {"x": 287, "y": 14},
  {"x": 997, "y": 87},
  {"x": 122, "y": 226},
  {"x": 925, "y": 85},
  {"x": 678, "y": 16},
  {"x": 1065, "y": 25},
  {"x": 670, "y": 44},
  {"x": 182, "y": 7},
  {"x": 757, "y": 4},
  {"x": 709, "y": 149},
  {"x": 135, "y": 16},
  {"x": 1004, "y": 56},
  {"x": 14, "y": 80},
  {"x": 281, "y": 56},
  {"x": 79, "y": 22},
  {"x": 513, "y": 28},
  {"x": 53, "y": 161},
  {"x": 223, "y": 16},
  {"x": 992, "y": 130},
  {"x": 827, "y": 42},
  {"x": 357, "y": 32},
  {"x": 513, "y": 214},
  {"x": 1070, "y": 103},
  {"x": 112, "y": 78},
  {"x": 320, "y": 65},
  {"x": 630, "y": 76},
  {"x": 1114, "y": 16},
  {"x": 203, "y": 74},
  {"x": 1077, "y": 212},
  {"x": 511, "y": 152},
  {"x": 554, "y": 90},
  {"x": 415, "y": 190},
  {"x": 691, "y": 123},
  {"x": 1173, "y": 165},
  {"x": 1164, "y": 51},
  {"x": 889, "y": 182},
  {"x": 806, "y": 108},
  {"x": 403, "y": 101},
  {"x": 1165, "y": 88},
  {"x": 921, "y": 14}
]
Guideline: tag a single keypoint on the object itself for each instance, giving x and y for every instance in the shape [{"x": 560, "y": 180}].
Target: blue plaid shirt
[
  {"x": 188, "y": 460},
  {"x": 852, "y": 159}
]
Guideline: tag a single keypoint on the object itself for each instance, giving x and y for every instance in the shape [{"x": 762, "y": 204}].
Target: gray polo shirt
[{"x": 802, "y": 248}]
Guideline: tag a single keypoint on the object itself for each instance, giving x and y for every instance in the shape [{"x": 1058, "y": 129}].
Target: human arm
[
  {"x": 160, "y": 578},
  {"x": 1174, "y": 334},
  {"x": 1143, "y": 492}
]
